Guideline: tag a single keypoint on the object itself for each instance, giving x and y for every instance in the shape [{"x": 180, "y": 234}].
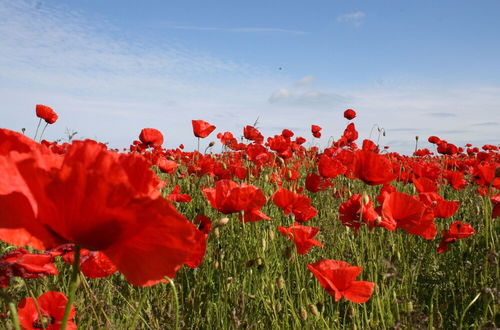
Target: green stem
[
  {"x": 47, "y": 124},
  {"x": 15, "y": 318},
  {"x": 36, "y": 132},
  {"x": 176, "y": 302},
  {"x": 138, "y": 309},
  {"x": 30, "y": 293},
  {"x": 72, "y": 287}
]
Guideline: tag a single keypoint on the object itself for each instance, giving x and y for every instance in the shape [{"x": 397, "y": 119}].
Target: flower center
[{"x": 43, "y": 322}]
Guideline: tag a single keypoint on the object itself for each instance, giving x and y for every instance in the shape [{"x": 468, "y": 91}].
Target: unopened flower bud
[
  {"x": 303, "y": 313},
  {"x": 222, "y": 222},
  {"x": 366, "y": 199},
  {"x": 271, "y": 235},
  {"x": 314, "y": 310},
  {"x": 280, "y": 283}
]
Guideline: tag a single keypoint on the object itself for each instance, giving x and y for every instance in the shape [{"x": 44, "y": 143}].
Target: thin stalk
[
  {"x": 72, "y": 287},
  {"x": 30, "y": 293},
  {"x": 138, "y": 309},
  {"x": 176, "y": 302},
  {"x": 38, "y": 126},
  {"x": 47, "y": 124},
  {"x": 15, "y": 318}
]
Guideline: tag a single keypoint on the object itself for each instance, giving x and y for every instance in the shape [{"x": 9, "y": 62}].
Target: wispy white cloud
[
  {"x": 305, "y": 81},
  {"x": 356, "y": 18},
  {"x": 237, "y": 29},
  {"x": 303, "y": 93}
]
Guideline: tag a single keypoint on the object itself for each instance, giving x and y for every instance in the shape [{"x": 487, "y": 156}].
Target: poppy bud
[
  {"x": 277, "y": 307},
  {"x": 314, "y": 310},
  {"x": 366, "y": 199},
  {"x": 271, "y": 235},
  {"x": 280, "y": 283},
  {"x": 351, "y": 312},
  {"x": 211, "y": 144},
  {"x": 222, "y": 222},
  {"x": 303, "y": 313}
]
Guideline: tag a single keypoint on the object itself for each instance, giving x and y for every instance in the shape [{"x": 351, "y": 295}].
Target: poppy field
[{"x": 264, "y": 233}]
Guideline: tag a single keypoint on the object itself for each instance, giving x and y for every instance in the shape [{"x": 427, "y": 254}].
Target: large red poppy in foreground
[{"x": 97, "y": 199}]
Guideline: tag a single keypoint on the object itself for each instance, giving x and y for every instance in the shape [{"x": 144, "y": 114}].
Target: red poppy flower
[
  {"x": 302, "y": 236},
  {"x": 93, "y": 264},
  {"x": 330, "y": 167},
  {"x": 151, "y": 137},
  {"x": 456, "y": 179},
  {"x": 300, "y": 140},
  {"x": 316, "y": 131},
  {"x": 176, "y": 196},
  {"x": 315, "y": 183},
  {"x": 386, "y": 190},
  {"x": 441, "y": 207},
  {"x": 51, "y": 305},
  {"x": 26, "y": 265},
  {"x": 373, "y": 168},
  {"x": 165, "y": 165},
  {"x": 349, "y": 114},
  {"x": 356, "y": 211},
  {"x": 252, "y": 134},
  {"x": 201, "y": 128},
  {"x": 204, "y": 223},
  {"x": 485, "y": 174},
  {"x": 287, "y": 133},
  {"x": 229, "y": 197},
  {"x": 408, "y": 213},
  {"x": 46, "y": 113},
  {"x": 298, "y": 204},
  {"x": 424, "y": 185},
  {"x": 458, "y": 230},
  {"x": 338, "y": 279},
  {"x": 434, "y": 139},
  {"x": 99, "y": 200},
  {"x": 348, "y": 137}
]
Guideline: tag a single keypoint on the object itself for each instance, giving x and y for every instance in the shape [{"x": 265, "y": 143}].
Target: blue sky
[{"x": 110, "y": 68}]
